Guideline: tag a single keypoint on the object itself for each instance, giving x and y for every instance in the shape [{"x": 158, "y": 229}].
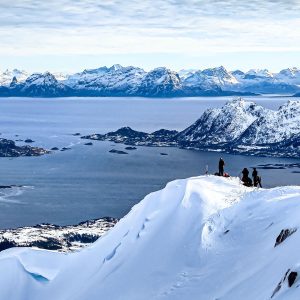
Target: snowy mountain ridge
[
  {"x": 241, "y": 122},
  {"x": 199, "y": 238},
  {"x": 238, "y": 127},
  {"x": 160, "y": 82}
]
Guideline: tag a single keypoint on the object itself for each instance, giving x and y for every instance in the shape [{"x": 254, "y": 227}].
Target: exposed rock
[
  {"x": 76, "y": 134},
  {"x": 8, "y": 148},
  {"x": 54, "y": 149},
  {"x": 29, "y": 141},
  {"x": 291, "y": 278},
  {"x": 279, "y": 285},
  {"x": 129, "y": 136},
  {"x": 117, "y": 151},
  {"x": 54, "y": 237},
  {"x": 88, "y": 144},
  {"x": 162, "y": 153},
  {"x": 284, "y": 234},
  {"x": 65, "y": 148},
  {"x": 130, "y": 148}
]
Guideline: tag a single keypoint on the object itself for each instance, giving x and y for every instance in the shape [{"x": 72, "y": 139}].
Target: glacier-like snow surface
[{"x": 198, "y": 238}]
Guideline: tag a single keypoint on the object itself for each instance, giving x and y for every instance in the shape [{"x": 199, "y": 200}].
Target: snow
[
  {"x": 199, "y": 238},
  {"x": 7, "y": 76},
  {"x": 128, "y": 80}
]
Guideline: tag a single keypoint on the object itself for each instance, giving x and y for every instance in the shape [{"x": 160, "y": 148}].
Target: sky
[{"x": 72, "y": 35}]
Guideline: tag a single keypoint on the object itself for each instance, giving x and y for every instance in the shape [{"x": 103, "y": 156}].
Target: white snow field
[{"x": 199, "y": 238}]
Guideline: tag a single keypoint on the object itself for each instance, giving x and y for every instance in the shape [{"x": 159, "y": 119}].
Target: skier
[
  {"x": 221, "y": 167},
  {"x": 256, "y": 178}
]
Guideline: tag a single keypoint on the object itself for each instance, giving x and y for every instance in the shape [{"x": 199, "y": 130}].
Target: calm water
[{"x": 89, "y": 182}]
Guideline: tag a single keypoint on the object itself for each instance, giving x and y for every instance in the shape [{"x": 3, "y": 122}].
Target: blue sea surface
[{"x": 88, "y": 182}]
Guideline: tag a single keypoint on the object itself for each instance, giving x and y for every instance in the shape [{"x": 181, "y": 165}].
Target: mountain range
[
  {"x": 160, "y": 82},
  {"x": 238, "y": 127}
]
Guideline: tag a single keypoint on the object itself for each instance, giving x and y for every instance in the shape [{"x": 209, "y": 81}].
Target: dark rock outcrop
[
  {"x": 292, "y": 278},
  {"x": 117, "y": 151},
  {"x": 283, "y": 235},
  {"x": 8, "y": 148},
  {"x": 54, "y": 237}
]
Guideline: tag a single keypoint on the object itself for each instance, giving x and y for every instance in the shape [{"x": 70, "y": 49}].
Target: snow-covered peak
[
  {"x": 7, "y": 76},
  {"x": 290, "y": 75},
  {"x": 260, "y": 73},
  {"x": 223, "y": 125},
  {"x": 290, "y": 72},
  {"x": 160, "y": 82},
  {"x": 115, "y": 67},
  {"x": 183, "y": 74},
  {"x": 238, "y": 73},
  {"x": 210, "y": 78},
  {"x": 290, "y": 109},
  {"x": 178, "y": 243},
  {"x": 41, "y": 79}
]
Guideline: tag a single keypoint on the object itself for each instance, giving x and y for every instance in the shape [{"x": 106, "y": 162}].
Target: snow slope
[{"x": 198, "y": 238}]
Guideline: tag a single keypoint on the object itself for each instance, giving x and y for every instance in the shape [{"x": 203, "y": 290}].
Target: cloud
[{"x": 34, "y": 27}]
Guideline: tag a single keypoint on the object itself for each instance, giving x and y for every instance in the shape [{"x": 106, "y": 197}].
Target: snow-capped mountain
[
  {"x": 290, "y": 75},
  {"x": 247, "y": 125},
  {"x": 7, "y": 76},
  {"x": 114, "y": 81},
  {"x": 210, "y": 79},
  {"x": 217, "y": 126},
  {"x": 41, "y": 85},
  {"x": 255, "y": 80},
  {"x": 238, "y": 127},
  {"x": 160, "y": 82},
  {"x": 200, "y": 238}
]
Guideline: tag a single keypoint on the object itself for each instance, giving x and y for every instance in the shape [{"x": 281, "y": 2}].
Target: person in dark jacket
[
  {"x": 256, "y": 178},
  {"x": 221, "y": 167},
  {"x": 245, "y": 178}
]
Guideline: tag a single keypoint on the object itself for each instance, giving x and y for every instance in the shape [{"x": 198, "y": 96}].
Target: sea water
[{"x": 88, "y": 182}]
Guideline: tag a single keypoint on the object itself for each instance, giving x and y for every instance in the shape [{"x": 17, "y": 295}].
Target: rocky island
[
  {"x": 238, "y": 127},
  {"x": 8, "y": 148}
]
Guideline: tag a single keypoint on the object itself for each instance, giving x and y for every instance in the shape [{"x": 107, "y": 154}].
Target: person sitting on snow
[{"x": 245, "y": 178}]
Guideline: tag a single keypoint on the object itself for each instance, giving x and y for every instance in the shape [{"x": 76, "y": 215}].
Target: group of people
[
  {"x": 247, "y": 181},
  {"x": 256, "y": 180}
]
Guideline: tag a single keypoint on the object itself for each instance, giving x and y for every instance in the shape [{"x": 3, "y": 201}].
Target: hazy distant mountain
[{"x": 160, "y": 82}]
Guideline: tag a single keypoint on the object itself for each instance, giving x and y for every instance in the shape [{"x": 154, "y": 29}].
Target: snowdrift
[{"x": 199, "y": 238}]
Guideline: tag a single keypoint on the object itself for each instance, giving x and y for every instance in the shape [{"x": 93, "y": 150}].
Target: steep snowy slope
[
  {"x": 199, "y": 238},
  {"x": 274, "y": 126},
  {"x": 223, "y": 125}
]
